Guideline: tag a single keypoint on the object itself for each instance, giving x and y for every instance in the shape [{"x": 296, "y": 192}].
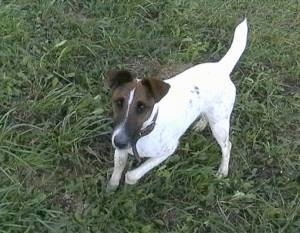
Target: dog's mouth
[{"x": 121, "y": 139}]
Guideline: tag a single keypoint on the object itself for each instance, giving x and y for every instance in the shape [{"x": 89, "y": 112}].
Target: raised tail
[{"x": 236, "y": 49}]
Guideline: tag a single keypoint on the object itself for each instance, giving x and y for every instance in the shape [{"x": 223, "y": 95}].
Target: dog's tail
[{"x": 237, "y": 47}]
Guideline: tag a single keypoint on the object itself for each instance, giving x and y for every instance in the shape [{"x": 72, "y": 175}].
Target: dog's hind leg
[
  {"x": 220, "y": 130},
  {"x": 120, "y": 159},
  {"x": 131, "y": 177}
]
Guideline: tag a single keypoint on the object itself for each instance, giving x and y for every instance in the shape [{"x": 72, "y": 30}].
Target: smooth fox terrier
[{"x": 150, "y": 115}]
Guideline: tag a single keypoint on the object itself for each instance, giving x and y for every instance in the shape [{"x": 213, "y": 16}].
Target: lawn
[{"x": 55, "y": 117}]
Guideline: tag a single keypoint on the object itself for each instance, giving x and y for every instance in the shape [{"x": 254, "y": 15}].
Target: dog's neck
[
  {"x": 152, "y": 117},
  {"x": 147, "y": 128}
]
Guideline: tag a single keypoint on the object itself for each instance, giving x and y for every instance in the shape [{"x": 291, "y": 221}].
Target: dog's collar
[{"x": 145, "y": 130}]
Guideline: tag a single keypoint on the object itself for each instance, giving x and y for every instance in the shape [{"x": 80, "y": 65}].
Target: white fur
[{"x": 205, "y": 89}]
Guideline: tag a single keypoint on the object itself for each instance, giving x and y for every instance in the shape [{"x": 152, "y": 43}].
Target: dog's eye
[
  {"x": 140, "y": 108},
  {"x": 119, "y": 103}
]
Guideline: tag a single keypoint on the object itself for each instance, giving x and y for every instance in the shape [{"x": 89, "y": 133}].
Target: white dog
[{"x": 150, "y": 115}]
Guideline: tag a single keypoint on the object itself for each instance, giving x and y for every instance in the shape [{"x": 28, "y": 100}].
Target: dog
[{"x": 150, "y": 115}]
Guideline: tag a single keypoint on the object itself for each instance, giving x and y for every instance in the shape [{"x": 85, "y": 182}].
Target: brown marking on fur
[
  {"x": 147, "y": 92},
  {"x": 157, "y": 87},
  {"x": 140, "y": 109},
  {"x": 120, "y": 98},
  {"x": 117, "y": 78}
]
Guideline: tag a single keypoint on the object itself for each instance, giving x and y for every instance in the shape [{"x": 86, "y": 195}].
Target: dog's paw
[
  {"x": 130, "y": 178},
  {"x": 112, "y": 185},
  {"x": 222, "y": 173},
  {"x": 110, "y": 188}
]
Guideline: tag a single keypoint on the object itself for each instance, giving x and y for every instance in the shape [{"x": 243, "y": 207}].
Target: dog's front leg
[
  {"x": 131, "y": 177},
  {"x": 120, "y": 159}
]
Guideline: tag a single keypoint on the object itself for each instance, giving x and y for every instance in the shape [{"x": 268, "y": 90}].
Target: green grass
[{"x": 55, "y": 152}]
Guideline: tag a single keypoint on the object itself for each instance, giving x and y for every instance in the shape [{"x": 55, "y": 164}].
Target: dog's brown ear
[
  {"x": 157, "y": 88},
  {"x": 116, "y": 78}
]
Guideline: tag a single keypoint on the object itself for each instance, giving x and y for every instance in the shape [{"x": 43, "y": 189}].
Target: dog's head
[{"x": 133, "y": 101}]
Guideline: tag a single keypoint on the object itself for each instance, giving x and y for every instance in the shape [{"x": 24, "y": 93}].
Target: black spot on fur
[{"x": 196, "y": 90}]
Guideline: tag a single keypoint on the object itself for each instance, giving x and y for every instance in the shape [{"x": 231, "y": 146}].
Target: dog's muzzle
[{"x": 121, "y": 140}]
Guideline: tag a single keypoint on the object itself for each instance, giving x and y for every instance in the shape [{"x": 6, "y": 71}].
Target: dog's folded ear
[
  {"x": 157, "y": 87},
  {"x": 116, "y": 78}
]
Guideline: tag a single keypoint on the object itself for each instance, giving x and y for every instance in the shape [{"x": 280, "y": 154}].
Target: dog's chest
[
  {"x": 158, "y": 143},
  {"x": 173, "y": 120}
]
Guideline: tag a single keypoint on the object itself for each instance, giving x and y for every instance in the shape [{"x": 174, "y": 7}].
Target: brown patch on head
[
  {"x": 156, "y": 87},
  {"x": 138, "y": 107},
  {"x": 133, "y": 102},
  {"x": 146, "y": 94},
  {"x": 116, "y": 78},
  {"x": 120, "y": 100}
]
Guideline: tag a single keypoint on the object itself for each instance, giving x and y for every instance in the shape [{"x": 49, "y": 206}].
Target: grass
[{"x": 55, "y": 152}]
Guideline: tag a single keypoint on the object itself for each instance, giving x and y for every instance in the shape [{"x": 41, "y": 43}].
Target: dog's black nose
[{"x": 121, "y": 141}]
